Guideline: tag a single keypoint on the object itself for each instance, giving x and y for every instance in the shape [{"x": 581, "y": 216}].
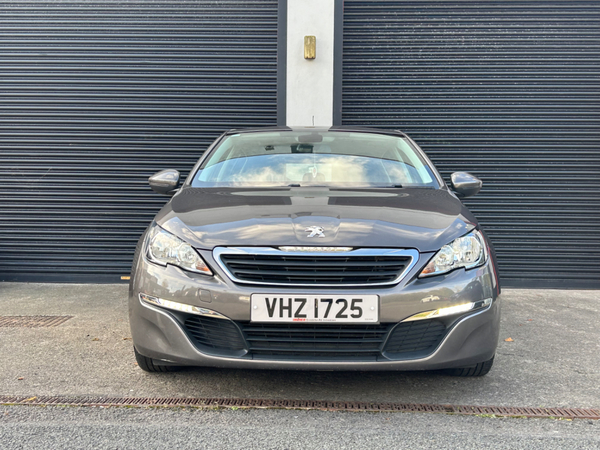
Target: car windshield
[{"x": 314, "y": 158}]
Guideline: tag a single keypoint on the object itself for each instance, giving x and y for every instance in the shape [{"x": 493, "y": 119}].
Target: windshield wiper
[{"x": 390, "y": 186}]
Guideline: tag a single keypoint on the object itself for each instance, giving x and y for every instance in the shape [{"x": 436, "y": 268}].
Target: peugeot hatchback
[{"x": 315, "y": 248}]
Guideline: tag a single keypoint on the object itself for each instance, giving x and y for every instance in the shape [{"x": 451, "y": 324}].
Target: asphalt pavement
[
  {"x": 33, "y": 427},
  {"x": 549, "y": 355}
]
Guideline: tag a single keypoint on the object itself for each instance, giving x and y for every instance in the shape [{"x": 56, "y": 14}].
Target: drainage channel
[
  {"x": 32, "y": 321},
  {"x": 498, "y": 411}
]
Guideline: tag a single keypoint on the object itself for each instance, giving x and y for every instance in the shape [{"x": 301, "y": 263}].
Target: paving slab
[{"x": 551, "y": 359}]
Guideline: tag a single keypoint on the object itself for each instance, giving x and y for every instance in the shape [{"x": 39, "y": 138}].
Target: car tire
[
  {"x": 478, "y": 370},
  {"x": 149, "y": 365}
]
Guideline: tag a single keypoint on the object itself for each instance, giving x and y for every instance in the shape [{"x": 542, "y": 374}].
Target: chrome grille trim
[{"x": 271, "y": 251}]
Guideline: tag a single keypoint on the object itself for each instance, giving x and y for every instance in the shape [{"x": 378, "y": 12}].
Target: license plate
[{"x": 314, "y": 308}]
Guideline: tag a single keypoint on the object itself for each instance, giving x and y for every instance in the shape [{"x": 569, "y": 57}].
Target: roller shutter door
[
  {"x": 509, "y": 91},
  {"x": 97, "y": 96}
]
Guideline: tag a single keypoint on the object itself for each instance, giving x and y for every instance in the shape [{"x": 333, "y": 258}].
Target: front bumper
[{"x": 160, "y": 334}]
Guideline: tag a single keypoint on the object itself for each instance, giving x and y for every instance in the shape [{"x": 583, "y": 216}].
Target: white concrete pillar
[{"x": 309, "y": 82}]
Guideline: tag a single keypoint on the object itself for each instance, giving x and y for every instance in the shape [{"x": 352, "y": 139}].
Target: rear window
[{"x": 335, "y": 159}]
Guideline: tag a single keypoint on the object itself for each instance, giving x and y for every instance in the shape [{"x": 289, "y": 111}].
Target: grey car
[{"x": 315, "y": 248}]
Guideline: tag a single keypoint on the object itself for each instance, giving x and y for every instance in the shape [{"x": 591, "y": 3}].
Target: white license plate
[{"x": 344, "y": 308}]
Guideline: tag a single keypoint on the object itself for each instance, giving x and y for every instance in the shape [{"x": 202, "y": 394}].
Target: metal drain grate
[
  {"x": 33, "y": 321},
  {"x": 504, "y": 411}
]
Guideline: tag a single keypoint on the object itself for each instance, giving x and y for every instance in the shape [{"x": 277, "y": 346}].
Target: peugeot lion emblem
[{"x": 315, "y": 231}]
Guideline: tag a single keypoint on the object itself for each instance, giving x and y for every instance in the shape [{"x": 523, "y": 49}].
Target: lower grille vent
[
  {"x": 421, "y": 336},
  {"x": 315, "y": 342},
  {"x": 221, "y": 334}
]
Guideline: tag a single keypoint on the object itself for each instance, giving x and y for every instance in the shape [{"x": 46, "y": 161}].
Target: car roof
[{"x": 346, "y": 128}]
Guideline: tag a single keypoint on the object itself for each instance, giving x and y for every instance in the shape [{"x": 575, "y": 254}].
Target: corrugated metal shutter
[
  {"x": 509, "y": 91},
  {"x": 95, "y": 97}
]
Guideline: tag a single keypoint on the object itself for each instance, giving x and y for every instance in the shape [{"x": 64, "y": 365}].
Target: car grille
[
  {"x": 316, "y": 342},
  {"x": 315, "y": 270},
  {"x": 420, "y": 336}
]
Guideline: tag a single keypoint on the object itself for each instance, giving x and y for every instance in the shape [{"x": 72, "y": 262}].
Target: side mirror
[
  {"x": 164, "y": 182},
  {"x": 465, "y": 184}
]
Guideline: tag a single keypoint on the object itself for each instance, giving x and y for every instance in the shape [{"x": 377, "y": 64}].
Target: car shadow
[{"x": 411, "y": 387}]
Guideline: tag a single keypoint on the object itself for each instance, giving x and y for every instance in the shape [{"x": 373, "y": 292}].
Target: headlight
[
  {"x": 165, "y": 248},
  {"x": 467, "y": 251}
]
